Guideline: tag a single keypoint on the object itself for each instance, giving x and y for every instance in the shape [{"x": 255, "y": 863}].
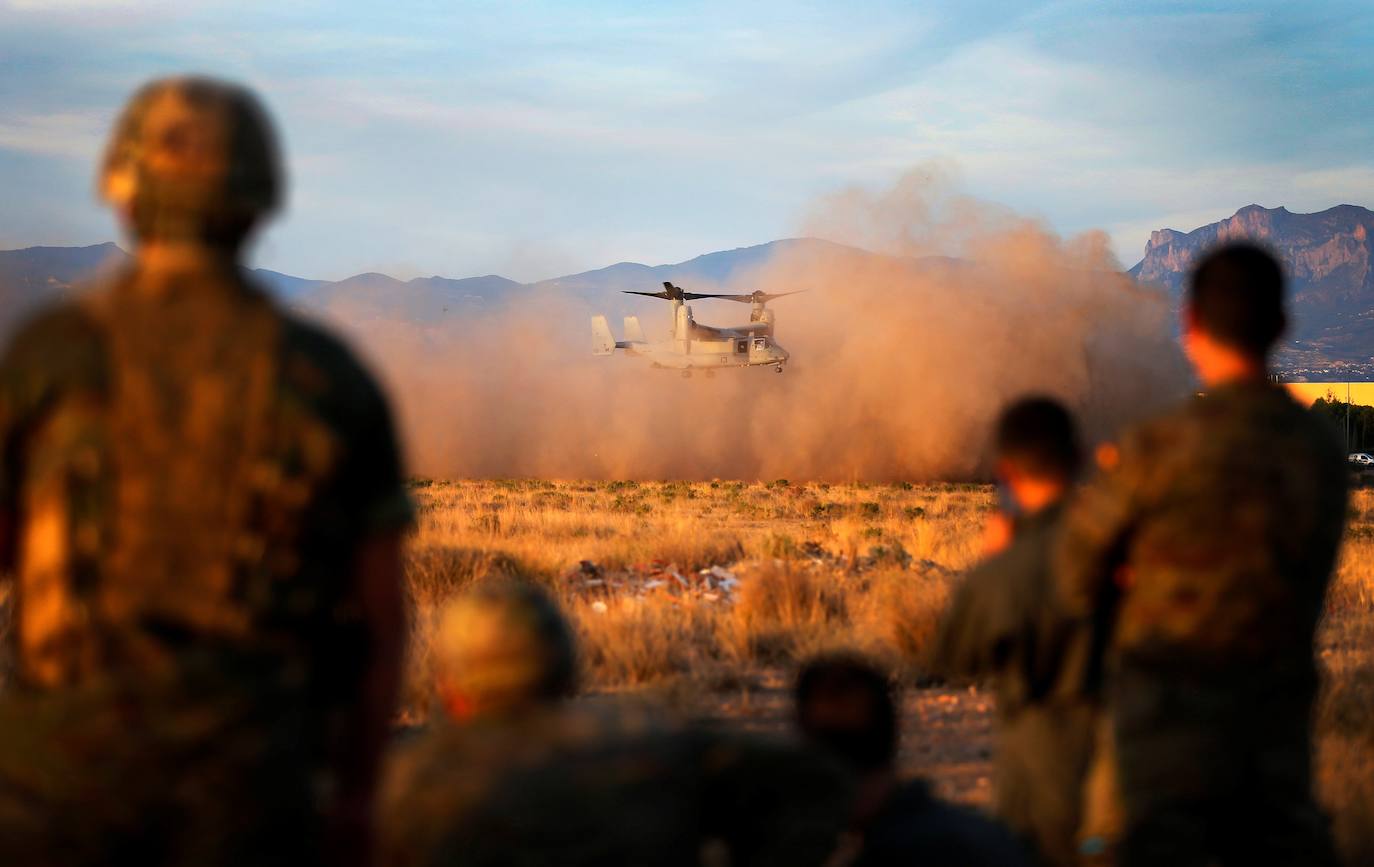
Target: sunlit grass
[{"x": 820, "y": 566}]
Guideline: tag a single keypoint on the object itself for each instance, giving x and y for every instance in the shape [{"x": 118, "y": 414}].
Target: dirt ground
[{"x": 947, "y": 734}]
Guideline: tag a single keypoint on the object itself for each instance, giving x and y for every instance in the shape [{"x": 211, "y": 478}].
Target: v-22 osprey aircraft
[{"x": 694, "y": 346}]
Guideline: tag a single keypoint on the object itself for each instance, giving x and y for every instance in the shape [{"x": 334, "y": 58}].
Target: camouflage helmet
[
  {"x": 503, "y": 646},
  {"x": 192, "y": 159}
]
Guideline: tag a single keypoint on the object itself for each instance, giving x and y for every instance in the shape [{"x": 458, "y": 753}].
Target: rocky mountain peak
[{"x": 1328, "y": 255}]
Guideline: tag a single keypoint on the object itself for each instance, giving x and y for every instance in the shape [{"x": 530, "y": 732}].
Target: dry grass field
[
  {"x": 803, "y": 567},
  {"x": 707, "y": 594}
]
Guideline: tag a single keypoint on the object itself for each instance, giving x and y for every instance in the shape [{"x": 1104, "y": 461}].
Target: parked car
[{"x": 1362, "y": 459}]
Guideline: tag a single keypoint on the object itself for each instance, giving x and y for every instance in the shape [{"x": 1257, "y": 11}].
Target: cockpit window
[{"x": 760, "y": 342}]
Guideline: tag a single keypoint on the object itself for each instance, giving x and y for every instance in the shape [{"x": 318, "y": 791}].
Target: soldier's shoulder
[
  {"x": 1163, "y": 432},
  {"x": 67, "y": 324},
  {"x": 1201, "y": 410},
  {"x": 323, "y": 370},
  {"x": 59, "y": 343},
  {"x": 1016, "y": 567}
]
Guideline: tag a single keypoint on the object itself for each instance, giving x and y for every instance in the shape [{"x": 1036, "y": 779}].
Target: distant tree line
[{"x": 1361, "y": 421}]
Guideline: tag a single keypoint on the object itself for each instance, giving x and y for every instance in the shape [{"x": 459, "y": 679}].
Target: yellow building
[{"x": 1360, "y": 393}]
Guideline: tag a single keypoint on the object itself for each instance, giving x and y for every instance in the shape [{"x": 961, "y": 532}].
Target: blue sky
[{"x": 534, "y": 139}]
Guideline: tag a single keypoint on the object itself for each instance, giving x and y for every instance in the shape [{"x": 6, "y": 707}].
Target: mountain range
[{"x": 1329, "y": 255}]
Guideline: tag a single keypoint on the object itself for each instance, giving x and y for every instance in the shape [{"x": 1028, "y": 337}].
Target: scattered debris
[
  {"x": 721, "y": 583},
  {"x": 591, "y": 581}
]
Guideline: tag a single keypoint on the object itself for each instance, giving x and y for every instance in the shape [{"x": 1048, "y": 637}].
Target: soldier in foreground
[
  {"x": 845, "y": 706},
  {"x": 1218, "y": 528},
  {"x": 1006, "y": 624},
  {"x": 511, "y": 774},
  {"x": 201, "y": 505}
]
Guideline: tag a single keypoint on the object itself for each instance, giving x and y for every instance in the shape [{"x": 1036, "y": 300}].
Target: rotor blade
[
  {"x": 769, "y": 296},
  {"x": 671, "y": 293},
  {"x": 755, "y": 297}
]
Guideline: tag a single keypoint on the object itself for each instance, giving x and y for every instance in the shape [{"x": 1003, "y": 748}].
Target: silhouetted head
[
  {"x": 1235, "y": 304},
  {"x": 844, "y": 704},
  {"x": 502, "y": 648},
  {"x": 192, "y": 159},
  {"x": 1038, "y": 436}
]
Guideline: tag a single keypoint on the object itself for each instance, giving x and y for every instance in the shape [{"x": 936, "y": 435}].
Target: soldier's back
[
  {"x": 1241, "y": 503},
  {"x": 1230, "y": 511},
  {"x": 187, "y": 472}
]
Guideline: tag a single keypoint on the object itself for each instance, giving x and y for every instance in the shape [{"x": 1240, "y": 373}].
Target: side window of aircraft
[
  {"x": 741, "y": 347},
  {"x": 760, "y": 343}
]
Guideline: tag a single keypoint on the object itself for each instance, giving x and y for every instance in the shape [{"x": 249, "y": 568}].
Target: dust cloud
[{"x": 909, "y": 341}]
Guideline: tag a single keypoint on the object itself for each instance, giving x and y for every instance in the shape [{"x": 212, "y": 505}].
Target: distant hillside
[
  {"x": 37, "y": 275},
  {"x": 28, "y": 277},
  {"x": 1328, "y": 253},
  {"x": 424, "y": 299},
  {"x": 1330, "y": 257},
  {"x": 724, "y": 269},
  {"x": 284, "y": 285}
]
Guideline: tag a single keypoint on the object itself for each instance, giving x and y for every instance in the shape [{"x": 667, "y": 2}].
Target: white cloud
[
  {"x": 89, "y": 14},
  {"x": 69, "y": 135},
  {"x": 71, "y": 5}
]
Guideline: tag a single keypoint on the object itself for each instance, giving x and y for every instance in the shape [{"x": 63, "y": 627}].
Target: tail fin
[
  {"x": 633, "y": 333},
  {"x": 603, "y": 342}
]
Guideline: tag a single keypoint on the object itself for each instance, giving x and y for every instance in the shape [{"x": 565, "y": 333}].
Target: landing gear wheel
[
  {"x": 778, "y": 369},
  {"x": 686, "y": 374}
]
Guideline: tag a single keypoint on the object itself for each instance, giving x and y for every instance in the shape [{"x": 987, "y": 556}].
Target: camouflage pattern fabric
[
  {"x": 185, "y": 472},
  {"x": 1217, "y": 528},
  {"x": 1005, "y": 624},
  {"x": 1216, "y": 771},
  {"x": 155, "y": 771},
  {"x": 602, "y": 786}
]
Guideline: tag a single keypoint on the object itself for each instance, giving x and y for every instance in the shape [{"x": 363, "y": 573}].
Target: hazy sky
[{"x": 534, "y": 139}]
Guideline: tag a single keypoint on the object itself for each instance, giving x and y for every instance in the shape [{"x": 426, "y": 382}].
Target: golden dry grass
[
  {"x": 867, "y": 566},
  {"x": 1345, "y": 718},
  {"x": 819, "y": 565}
]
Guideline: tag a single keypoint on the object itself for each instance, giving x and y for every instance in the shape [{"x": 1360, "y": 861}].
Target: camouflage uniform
[
  {"x": 185, "y": 475},
  {"x": 593, "y": 786},
  {"x": 1218, "y": 529},
  {"x": 1005, "y": 623}
]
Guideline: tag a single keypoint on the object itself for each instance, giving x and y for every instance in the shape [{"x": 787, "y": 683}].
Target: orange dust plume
[{"x": 929, "y": 315}]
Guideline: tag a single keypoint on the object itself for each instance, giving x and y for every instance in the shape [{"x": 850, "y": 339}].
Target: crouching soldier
[
  {"x": 846, "y": 706},
  {"x": 512, "y": 773}
]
